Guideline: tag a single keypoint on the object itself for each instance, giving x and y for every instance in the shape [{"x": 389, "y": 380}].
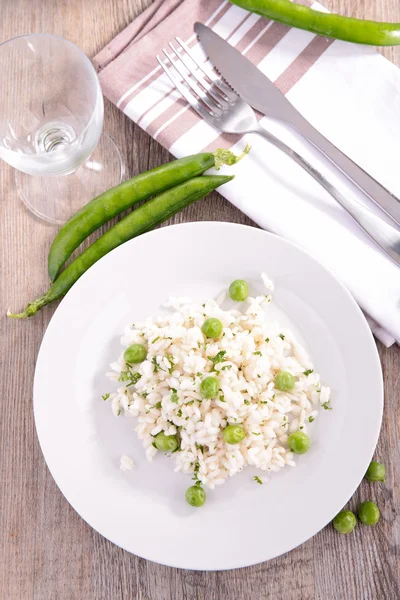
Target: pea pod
[
  {"x": 359, "y": 31},
  {"x": 106, "y": 206},
  {"x": 142, "y": 219}
]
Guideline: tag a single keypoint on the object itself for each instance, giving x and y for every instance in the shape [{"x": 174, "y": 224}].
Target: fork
[{"x": 221, "y": 107}]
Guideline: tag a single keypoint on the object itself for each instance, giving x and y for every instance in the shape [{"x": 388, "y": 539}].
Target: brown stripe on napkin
[
  {"x": 253, "y": 34},
  {"x": 303, "y": 63}
]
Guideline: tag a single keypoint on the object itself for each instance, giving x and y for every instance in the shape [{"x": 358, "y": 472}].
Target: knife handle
[
  {"x": 384, "y": 235},
  {"x": 365, "y": 182}
]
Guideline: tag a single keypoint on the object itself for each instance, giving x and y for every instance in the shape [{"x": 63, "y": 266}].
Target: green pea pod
[
  {"x": 359, "y": 31},
  {"x": 106, "y": 206},
  {"x": 142, "y": 219}
]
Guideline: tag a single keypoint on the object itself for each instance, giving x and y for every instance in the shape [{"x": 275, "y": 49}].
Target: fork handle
[
  {"x": 365, "y": 182},
  {"x": 383, "y": 234}
]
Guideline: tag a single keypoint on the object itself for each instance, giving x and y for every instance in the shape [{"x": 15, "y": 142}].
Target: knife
[{"x": 258, "y": 91}]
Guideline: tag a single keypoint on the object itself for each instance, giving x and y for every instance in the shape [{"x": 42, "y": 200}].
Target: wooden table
[{"x": 47, "y": 551}]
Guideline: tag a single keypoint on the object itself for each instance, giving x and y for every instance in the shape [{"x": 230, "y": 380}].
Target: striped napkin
[{"x": 350, "y": 93}]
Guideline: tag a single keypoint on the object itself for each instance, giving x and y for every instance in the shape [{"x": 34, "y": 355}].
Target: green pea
[
  {"x": 234, "y": 434},
  {"x": 299, "y": 442},
  {"x": 212, "y": 328},
  {"x": 135, "y": 354},
  {"x": 238, "y": 290},
  {"x": 284, "y": 381},
  {"x": 166, "y": 443},
  {"x": 375, "y": 472},
  {"x": 368, "y": 513},
  {"x": 345, "y": 521},
  {"x": 209, "y": 388},
  {"x": 195, "y": 496}
]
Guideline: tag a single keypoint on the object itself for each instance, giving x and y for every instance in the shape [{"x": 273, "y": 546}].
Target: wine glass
[{"x": 51, "y": 117}]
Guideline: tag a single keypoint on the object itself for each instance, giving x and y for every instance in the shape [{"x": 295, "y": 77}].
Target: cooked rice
[{"x": 179, "y": 358}]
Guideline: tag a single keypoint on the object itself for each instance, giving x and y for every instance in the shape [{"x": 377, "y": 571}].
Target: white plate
[{"x": 144, "y": 510}]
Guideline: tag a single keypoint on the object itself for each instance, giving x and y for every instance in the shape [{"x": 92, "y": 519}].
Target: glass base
[{"x": 56, "y": 199}]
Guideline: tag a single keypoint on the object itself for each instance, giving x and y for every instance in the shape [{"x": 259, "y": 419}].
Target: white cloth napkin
[{"x": 350, "y": 93}]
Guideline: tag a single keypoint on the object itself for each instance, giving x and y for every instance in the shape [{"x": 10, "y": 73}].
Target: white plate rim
[{"x": 206, "y": 225}]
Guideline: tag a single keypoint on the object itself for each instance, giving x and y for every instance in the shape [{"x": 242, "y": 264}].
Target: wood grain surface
[{"x": 47, "y": 552}]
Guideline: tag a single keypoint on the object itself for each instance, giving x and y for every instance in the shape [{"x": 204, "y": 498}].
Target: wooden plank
[{"x": 47, "y": 551}]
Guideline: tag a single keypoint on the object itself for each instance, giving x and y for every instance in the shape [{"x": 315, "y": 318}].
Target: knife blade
[{"x": 257, "y": 90}]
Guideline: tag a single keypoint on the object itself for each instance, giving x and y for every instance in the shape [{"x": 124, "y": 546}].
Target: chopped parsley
[
  {"x": 203, "y": 305},
  {"x": 258, "y": 353},
  {"x": 311, "y": 419},
  {"x": 327, "y": 405},
  {"x": 281, "y": 336},
  {"x": 119, "y": 412},
  {"x": 179, "y": 413},
  {"x": 155, "y": 339},
  {"x": 174, "y": 396},
  {"x": 257, "y": 479},
  {"x": 158, "y": 405},
  {"x": 106, "y": 397},
  {"x": 133, "y": 378},
  {"x": 171, "y": 361},
  {"x": 222, "y": 398},
  {"x": 155, "y": 364},
  {"x": 199, "y": 374},
  {"x": 267, "y": 340},
  {"x": 217, "y": 358},
  {"x": 255, "y": 433},
  {"x": 308, "y": 372},
  {"x": 247, "y": 402},
  {"x": 195, "y": 474},
  {"x": 226, "y": 368},
  {"x": 200, "y": 447},
  {"x": 259, "y": 376},
  {"x": 189, "y": 403}
]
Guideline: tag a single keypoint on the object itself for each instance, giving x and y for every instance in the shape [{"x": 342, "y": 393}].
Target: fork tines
[{"x": 197, "y": 81}]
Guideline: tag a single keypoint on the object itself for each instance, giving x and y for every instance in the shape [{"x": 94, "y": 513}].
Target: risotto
[{"x": 218, "y": 389}]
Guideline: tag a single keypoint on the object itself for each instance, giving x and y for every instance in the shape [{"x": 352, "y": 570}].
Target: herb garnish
[
  {"x": 133, "y": 378},
  {"x": 308, "y": 372},
  {"x": 257, "y": 479},
  {"x": 217, "y": 358},
  {"x": 106, "y": 397},
  {"x": 327, "y": 405}
]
